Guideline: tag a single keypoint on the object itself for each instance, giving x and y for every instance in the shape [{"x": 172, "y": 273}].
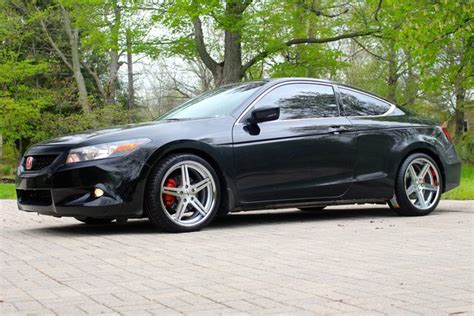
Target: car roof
[{"x": 274, "y": 81}]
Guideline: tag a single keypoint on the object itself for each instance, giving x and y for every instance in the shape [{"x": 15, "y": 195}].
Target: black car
[{"x": 291, "y": 142}]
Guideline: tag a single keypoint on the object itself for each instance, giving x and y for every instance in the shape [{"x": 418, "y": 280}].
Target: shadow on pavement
[{"x": 236, "y": 220}]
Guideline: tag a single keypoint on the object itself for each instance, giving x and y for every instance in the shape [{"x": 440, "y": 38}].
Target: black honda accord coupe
[{"x": 279, "y": 143}]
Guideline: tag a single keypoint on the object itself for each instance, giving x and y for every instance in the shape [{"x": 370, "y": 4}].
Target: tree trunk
[
  {"x": 392, "y": 72},
  {"x": 310, "y": 71},
  {"x": 81, "y": 83},
  {"x": 412, "y": 82},
  {"x": 73, "y": 36},
  {"x": 111, "y": 83},
  {"x": 130, "y": 87},
  {"x": 232, "y": 66},
  {"x": 459, "y": 112},
  {"x": 232, "y": 69},
  {"x": 114, "y": 57}
]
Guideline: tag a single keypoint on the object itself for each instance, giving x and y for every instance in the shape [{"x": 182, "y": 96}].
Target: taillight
[{"x": 446, "y": 132}]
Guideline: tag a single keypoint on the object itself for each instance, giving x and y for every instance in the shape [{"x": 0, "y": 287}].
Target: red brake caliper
[
  {"x": 433, "y": 174},
  {"x": 169, "y": 199}
]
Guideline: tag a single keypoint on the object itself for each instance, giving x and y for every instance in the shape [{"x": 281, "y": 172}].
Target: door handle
[{"x": 336, "y": 129}]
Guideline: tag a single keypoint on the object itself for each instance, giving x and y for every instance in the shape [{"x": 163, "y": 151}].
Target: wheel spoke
[
  {"x": 198, "y": 187},
  {"x": 180, "y": 209},
  {"x": 171, "y": 191},
  {"x": 424, "y": 171},
  {"x": 410, "y": 190},
  {"x": 429, "y": 187},
  {"x": 412, "y": 172},
  {"x": 198, "y": 206},
  {"x": 185, "y": 175},
  {"x": 421, "y": 198}
]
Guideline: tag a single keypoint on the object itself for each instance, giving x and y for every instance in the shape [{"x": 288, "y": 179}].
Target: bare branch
[
  {"x": 96, "y": 78},
  {"x": 368, "y": 51},
  {"x": 298, "y": 41},
  {"x": 376, "y": 12},
  {"x": 201, "y": 46},
  {"x": 53, "y": 44},
  {"x": 319, "y": 12}
]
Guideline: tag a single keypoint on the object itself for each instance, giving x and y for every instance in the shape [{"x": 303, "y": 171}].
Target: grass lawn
[
  {"x": 464, "y": 192},
  {"x": 7, "y": 191}
]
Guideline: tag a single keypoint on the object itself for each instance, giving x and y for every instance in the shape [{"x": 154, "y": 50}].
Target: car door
[
  {"x": 308, "y": 153},
  {"x": 380, "y": 127}
]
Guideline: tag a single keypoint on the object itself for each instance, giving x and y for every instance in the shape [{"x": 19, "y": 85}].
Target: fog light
[{"x": 98, "y": 192}]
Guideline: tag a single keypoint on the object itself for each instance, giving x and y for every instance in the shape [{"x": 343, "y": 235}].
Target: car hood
[
  {"x": 77, "y": 138},
  {"x": 160, "y": 131}
]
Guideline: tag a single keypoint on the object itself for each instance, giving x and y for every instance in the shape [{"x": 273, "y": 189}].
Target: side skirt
[{"x": 308, "y": 204}]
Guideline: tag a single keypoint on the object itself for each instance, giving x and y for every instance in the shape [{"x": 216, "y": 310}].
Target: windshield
[{"x": 218, "y": 102}]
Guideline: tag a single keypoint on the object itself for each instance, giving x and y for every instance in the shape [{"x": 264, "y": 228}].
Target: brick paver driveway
[{"x": 345, "y": 260}]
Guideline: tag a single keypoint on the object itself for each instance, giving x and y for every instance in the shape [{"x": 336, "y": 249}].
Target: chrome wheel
[
  {"x": 188, "y": 193},
  {"x": 422, "y": 183}
]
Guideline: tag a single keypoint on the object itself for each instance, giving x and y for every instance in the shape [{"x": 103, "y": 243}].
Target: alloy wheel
[
  {"x": 422, "y": 183},
  {"x": 188, "y": 193}
]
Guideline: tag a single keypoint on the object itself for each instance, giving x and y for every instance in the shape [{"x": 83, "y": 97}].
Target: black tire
[
  {"x": 153, "y": 204},
  {"x": 312, "y": 209},
  {"x": 94, "y": 221},
  {"x": 403, "y": 206}
]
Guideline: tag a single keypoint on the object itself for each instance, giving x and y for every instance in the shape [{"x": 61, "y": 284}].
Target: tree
[
  {"x": 440, "y": 35},
  {"x": 239, "y": 24},
  {"x": 61, "y": 15}
]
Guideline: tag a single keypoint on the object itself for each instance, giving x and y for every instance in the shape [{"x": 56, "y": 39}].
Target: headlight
[{"x": 106, "y": 150}]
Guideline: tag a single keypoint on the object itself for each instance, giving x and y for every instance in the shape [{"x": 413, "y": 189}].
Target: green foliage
[
  {"x": 21, "y": 103},
  {"x": 55, "y": 124},
  {"x": 465, "y": 147},
  {"x": 8, "y": 155}
]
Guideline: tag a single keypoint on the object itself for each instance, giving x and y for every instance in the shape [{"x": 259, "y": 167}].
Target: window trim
[
  {"x": 388, "y": 112},
  {"x": 264, "y": 93}
]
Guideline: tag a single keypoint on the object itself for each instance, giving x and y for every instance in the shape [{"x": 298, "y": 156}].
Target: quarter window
[
  {"x": 359, "y": 104},
  {"x": 298, "y": 101}
]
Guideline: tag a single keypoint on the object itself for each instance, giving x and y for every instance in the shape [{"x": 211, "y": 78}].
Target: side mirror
[{"x": 264, "y": 115}]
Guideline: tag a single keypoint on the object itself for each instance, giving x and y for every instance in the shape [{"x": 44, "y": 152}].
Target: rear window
[
  {"x": 360, "y": 104},
  {"x": 301, "y": 101}
]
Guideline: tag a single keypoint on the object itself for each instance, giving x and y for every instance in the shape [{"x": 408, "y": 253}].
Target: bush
[
  {"x": 58, "y": 124},
  {"x": 465, "y": 148}
]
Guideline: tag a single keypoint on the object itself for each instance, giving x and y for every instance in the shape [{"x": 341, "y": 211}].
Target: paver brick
[{"x": 348, "y": 260}]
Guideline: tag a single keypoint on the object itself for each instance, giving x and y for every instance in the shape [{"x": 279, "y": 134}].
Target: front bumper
[{"x": 67, "y": 190}]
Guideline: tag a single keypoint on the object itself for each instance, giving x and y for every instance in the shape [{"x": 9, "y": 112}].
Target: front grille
[
  {"x": 40, "y": 162},
  {"x": 34, "y": 197}
]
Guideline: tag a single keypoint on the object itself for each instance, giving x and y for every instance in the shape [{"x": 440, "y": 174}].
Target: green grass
[
  {"x": 7, "y": 191},
  {"x": 464, "y": 192}
]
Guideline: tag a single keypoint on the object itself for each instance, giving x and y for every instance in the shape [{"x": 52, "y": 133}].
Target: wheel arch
[
  {"x": 202, "y": 150},
  {"x": 427, "y": 150}
]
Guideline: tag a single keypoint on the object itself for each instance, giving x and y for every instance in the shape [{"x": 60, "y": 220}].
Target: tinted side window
[
  {"x": 297, "y": 101},
  {"x": 359, "y": 104}
]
